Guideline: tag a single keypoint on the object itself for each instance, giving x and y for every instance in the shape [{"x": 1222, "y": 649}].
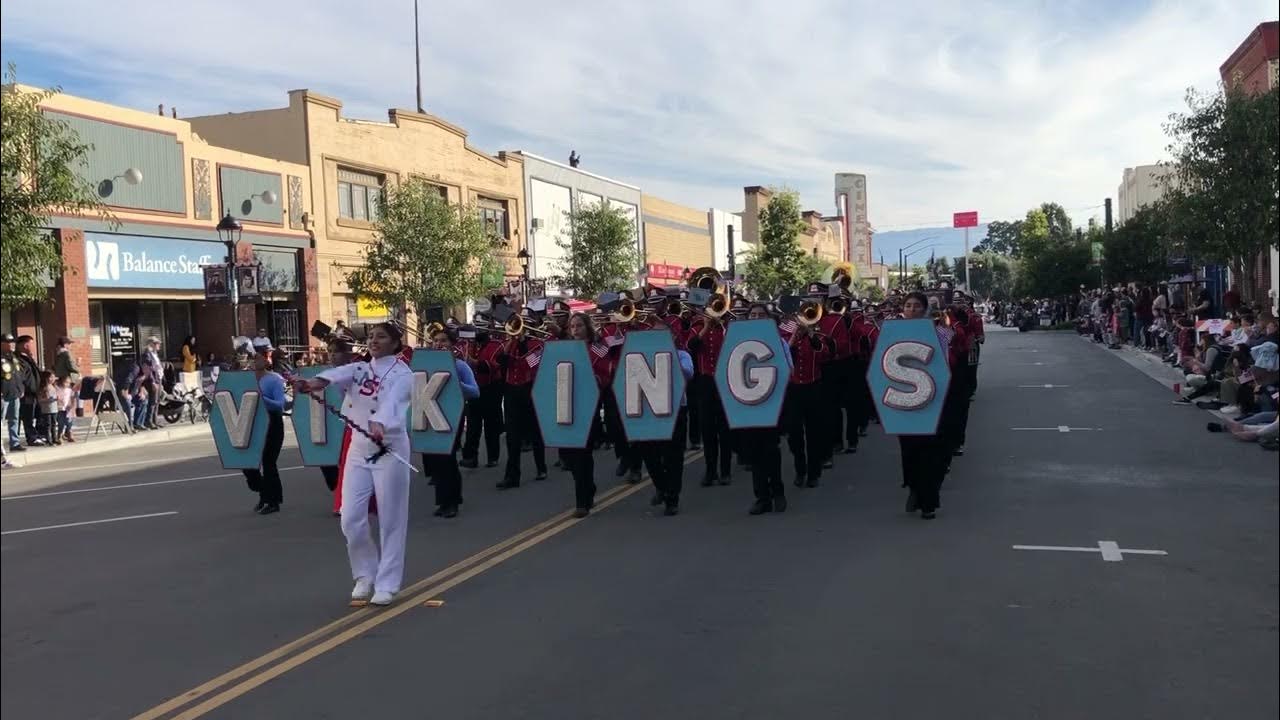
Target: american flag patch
[
  {"x": 614, "y": 340},
  {"x": 533, "y": 359},
  {"x": 788, "y": 326},
  {"x": 599, "y": 349}
]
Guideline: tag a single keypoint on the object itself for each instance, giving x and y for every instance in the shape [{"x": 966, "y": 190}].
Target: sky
[{"x": 945, "y": 106}]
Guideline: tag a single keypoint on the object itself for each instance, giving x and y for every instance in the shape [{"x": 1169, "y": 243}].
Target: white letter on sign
[
  {"x": 754, "y": 386},
  {"x": 319, "y": 421},
  {"x": 643, "y": 384},
  {"x": 238, "y": 423},
  {"x": 922, "y": 387},
  {"x": 425, "y": 410},
  {"x": 564, "y": 393}
]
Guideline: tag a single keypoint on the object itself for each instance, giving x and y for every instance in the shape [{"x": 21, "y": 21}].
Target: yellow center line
[{"x": 408, "y": 598}]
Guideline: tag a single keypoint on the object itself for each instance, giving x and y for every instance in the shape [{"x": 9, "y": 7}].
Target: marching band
[{"x": 826, "y": 337}]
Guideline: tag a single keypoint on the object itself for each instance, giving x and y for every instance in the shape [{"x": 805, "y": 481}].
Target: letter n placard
[
  {"x": 238, "y": 420},
  {"x": 908, "y": 376},
  {"x": 435, "y": 403},
  {"x": 648, "y": 386}
]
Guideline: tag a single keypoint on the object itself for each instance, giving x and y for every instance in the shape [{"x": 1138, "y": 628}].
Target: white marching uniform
[{"x": 376, "y": 391}]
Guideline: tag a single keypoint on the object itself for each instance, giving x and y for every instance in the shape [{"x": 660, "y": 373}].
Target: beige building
[
  {"x": 1140, "y": 186},
  {"x": 823, "y": 237},
  {"x": 167, "y": 186},
  {"x": 676, "y": 238},
  {"x": 352, "y": 161}
]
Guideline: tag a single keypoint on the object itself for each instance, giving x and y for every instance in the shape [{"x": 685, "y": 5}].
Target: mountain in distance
[{"x": 944, "y": 241}]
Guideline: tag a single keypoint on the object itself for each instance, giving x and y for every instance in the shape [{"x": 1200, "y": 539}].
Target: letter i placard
[
  {"x": 565, "y": 394},
  {"x": 909, "y": 375}
]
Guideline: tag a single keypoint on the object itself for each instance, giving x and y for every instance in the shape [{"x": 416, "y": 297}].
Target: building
[
  {"x": 851, "y": 204},
  {"x": 352, "y": 162},
  {"x": 1141, "y": 186},
  {"x": 822, "y": 237},
  {"x": 551, "y": 190},
  {"x": 168, "y": 187},
  {"x": 1255, "y": 68},
  {"x": 726, "y": 231},
  {"x": 677, "y": 239}
]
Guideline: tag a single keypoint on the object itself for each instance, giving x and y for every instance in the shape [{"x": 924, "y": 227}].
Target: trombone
[{"x": 516, "y": 326}]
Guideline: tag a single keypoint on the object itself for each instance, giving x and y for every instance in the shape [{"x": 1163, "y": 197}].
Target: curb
[
  {"x": 1152, "y": 367},
  {"x": 87, "y": 444}
]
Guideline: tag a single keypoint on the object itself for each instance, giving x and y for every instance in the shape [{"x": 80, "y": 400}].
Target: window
[
  {"x": 493, "y": 215},
  {"x": 97, "y": 353},
  {"x": 358, "y": 195}
]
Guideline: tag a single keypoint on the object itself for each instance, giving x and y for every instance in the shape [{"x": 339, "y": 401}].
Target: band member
[
  {"x": 704, "y": 344},
  {"x": 665, "y": 458},
  {"x": 760, "y": 445},
  {"x": 581, "y": 461},
  {"x": 484, "y": 414},
  {"x": 977, "y": 336},
  {"x": 803, "y": 410},
  {"x": 377, "y": 399},
  {"x": 266, "y": 482},
  {"x": 339, "y": 354},
  {"x": 836, "y": 379},
  {"x": 923, "y": 456},
  {"x": 613, "y": 335},
  {"x": 955, "y": 413},
  {"x": 519, "y": 359},
  {"x": 444, "y": 468},
  {"x": 863, "y": 332},
  {"x": 406, "y": 356}
]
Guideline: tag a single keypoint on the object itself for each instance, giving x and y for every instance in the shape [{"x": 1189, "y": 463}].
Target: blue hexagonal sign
[
  {"x": 909, "y": 375},
  {"x": 565, "y": 394},
  {"x": 238, "y": 420},
  {"x": 435, "y": 405},
  {"x": 752, "y": 374},
  {"x": 648, "y": 385},
  {"x": 319, "y": 432}
]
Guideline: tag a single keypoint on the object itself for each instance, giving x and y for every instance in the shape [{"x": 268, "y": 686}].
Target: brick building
[
  {"x": 168, "y": 188},
  {"x": 677, "y": 239}
]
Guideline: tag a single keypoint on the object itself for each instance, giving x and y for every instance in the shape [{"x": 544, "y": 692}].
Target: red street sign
[{"x": 965, "y": 219}]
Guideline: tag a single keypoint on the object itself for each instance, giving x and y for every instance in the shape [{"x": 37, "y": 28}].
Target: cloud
[{"x": 946, "y": 106}]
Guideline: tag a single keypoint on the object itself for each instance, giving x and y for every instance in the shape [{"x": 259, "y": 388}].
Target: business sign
[
  {"x": 565, "y": 394},
  {"x": 318, "y": 431},
  {"x": 137, "y": 261},
  {"x": 661, "y": 271},
  {"x": 435, "y": 406},
  {"x": 909, "y": 376},
  {"x": 238, "y": 420},
  {"x": 648, "y": 385},
  {"x": 752, "y": 374},
  {"x": 965, "y": 219}
]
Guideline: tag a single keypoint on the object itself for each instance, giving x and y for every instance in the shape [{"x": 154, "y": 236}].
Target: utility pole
[
  {"x": 417, "y": 56},
  {"x": 733, "y": 269}
]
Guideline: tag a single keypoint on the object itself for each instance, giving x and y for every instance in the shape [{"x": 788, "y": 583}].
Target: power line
[{"x": 936, "y": 224}]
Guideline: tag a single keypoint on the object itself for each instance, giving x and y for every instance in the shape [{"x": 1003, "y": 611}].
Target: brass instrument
[
  {"x": 841, "y": 277},
  {"x": 516, "y": 326},
  {"x": 431, "y": 330},
  {"x": 837, "y": 306},
  {"x": 626, "y": 311},
  {"x": 675, "y": 306},
  {"x": 810, "y": 313},
  {"x": 717, "y": 307},
  {"x": 708, "y": 278}
]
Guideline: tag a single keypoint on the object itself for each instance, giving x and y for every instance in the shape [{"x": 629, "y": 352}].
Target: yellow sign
[{"x": 366, "y": 308}]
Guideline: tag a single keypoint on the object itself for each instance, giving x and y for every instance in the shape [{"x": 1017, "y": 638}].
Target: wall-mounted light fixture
[
  {"x": 266, "y": 196},
  {"x": 132, "y": 176}
]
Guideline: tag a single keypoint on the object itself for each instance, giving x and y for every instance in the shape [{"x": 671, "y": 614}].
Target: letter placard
[
  {"x": 238, "y": 420},
  {"x": 908, "y": 375},
  {"x": 565, "y": 394},
  {"x": 319, "y": 432},
  {"x": 752, "y": 374},
  {"x": 435, "y": 403},
  {"x": 648, "y": 386}
]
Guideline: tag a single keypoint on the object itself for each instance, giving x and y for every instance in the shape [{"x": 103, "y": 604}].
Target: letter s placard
[{"x": 908, "y": 376}]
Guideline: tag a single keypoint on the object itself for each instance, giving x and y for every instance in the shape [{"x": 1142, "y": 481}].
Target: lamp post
[
  {"x": 523, "y": 256},
  {"x": 229, "y": 232},
  {"x": 902, "y": 268},
  {"x": 913, "y": 252}
]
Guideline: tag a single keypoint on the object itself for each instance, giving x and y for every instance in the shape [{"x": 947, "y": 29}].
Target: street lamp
[
  {"x": 523, "y": 256},
  {"x": 913, "y": 252},
  {"x": 230, "y": 230},
  {"x": 902, "y": 268}
]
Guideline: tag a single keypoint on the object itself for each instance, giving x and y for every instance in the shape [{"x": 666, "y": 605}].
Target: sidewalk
[{"x": 89, "y": 444}]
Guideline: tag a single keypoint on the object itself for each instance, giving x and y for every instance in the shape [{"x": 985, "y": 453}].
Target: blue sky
[{"x": 993, "y": 106}]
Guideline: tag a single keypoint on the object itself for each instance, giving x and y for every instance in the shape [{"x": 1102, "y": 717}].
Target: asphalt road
[{"x": 842, "y": 607}]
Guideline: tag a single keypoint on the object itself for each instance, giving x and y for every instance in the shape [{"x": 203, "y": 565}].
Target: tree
[
  {"x": 40, "y": 159},
  {"x": 425, "y": 251},
  {"x": 1055, "y": 269},
  {"x": 1002, "y": 237},
  {"x": 1058, "y": 222},
  {"x": 1135, "y": 251},
  {"x": 778, "y": 264},
  {"x": 600, "y": 254},
  {"x": 937, "y": 268},
  {"x": 991, "y": 275},
  {"x": 1224, "y": 203}
]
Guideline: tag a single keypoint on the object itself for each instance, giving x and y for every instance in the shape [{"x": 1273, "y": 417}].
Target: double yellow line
[{"x": 357, "y": 623}]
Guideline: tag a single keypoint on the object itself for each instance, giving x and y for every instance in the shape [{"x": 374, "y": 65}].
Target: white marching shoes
[
  {"x": 382, "y": 597},
  {"x": 361, "y": 592}
]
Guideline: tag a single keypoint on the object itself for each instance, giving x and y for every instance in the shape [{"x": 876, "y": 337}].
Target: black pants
[
  {"x": 762, "y": 448},
  {"x": 664, "y": 459},
  {"x": 484, "y": 415},
  {"x": 266, "y": 482},
  {"x": 922, "y": 467},
  {"x": 522, "y": 425},
  {"x": 836, "y": 378},
  {"x": 581, "y": 464},
  {"x": 695, "y": 413},
  {"x": 445, "y": 476},
  {"x": 330, "y": 473},
  {"x": 973, "y": 369},
  {"x": 716, "y": 444},
  {"x": 806, "y": 437},
  {"x": 955, "y": 411},
  {"x": 28, "y": 416},
  {"x": 622, "y": 450},
  {"x": 858, "y": 401}
]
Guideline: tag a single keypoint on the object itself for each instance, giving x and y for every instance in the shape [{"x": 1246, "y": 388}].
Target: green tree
[
  {"x": 1058, "y": 222},
  {"x": 1135, "y": 251},
  {"x": 600, "y": 253},
  {"x": 1224, "y": 203},
  {"x": 425, "y": 251},
  {"x": 44, "y": 165},
  {"x": 778, "y": 264},
  {"x": 991, "y": 275},
  {"x": 1002, "y": 237}
]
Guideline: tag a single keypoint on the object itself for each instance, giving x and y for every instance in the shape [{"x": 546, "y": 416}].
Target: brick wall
[
  {"x": 67, "y": 312},
  {"x": 310, "y": 301}
]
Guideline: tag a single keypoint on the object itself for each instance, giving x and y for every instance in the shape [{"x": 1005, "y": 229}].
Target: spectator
[
  {"x": 261, "y": 343},
  {"x": 49, "y": 407},
  {"x": 29, "y": 409},
  {"x": 66, "y": 408},
  {"x": 190, "y": 360},
  {"x": 64, "y": 363},
  {"x": 13, "y": 389},
  {"x": 1204, "y": 305},
  {"x": 153, "y": 375},
  {"x": 1231, "y": 299}
]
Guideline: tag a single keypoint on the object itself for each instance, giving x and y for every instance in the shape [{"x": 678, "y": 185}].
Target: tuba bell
[
  {"x": 841, "y": 277},
  {"x": 707, "y": 278},
  {"x": 717, "y": 307},
  {"x": 810, "y": 313}
]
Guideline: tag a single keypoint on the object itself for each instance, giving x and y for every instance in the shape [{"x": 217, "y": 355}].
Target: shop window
[
  {"x": 358, "y": 195},
  {"x": 493, "y": 214},
  {"x": 151, "y": 324},
  {"x": 177, "y": 326},
  {"x": 97, "y": 335}
]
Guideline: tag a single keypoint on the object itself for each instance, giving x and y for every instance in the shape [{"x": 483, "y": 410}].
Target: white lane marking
[
  {"x": 1046, "y": 387},
  {"x": 1034, "y": 364},
  {"x": 85, "y": 467},
  {"x": 136, "y": 485},
  {"x": 1109, "y": 549},
  {"x": 1059, "y": 428},
  {"x": 1064, "y": 428},
  {"x": 89, "y": 522}
]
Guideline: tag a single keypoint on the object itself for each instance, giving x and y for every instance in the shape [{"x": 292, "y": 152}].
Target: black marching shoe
[
  {"x": 928, "y": 515},
  {"x": 508, "y": 484},
  {"x": 779, "y": 504},
  {"x": 708, "y": 480},
  {"x": 470, "y": 464},
  {"x": 958, "y": 451},
  {"x": 725, "y": 479},
  {"x": 760, "y": 507},
  {"x": 673, "y": 508},
  {"x": 634, "y": 476},
  {"x": 656, "y": 500},
  {"x": 491, "y": 464},
  {"x": 439, "y": 511},
  {"x": 269, "y": 508},
  {"x": 813, "y": 482},
  {"x": 450, "y": 511},
  {"x": 542, "y": 475},
  {"x": 581, "y": 512},
  {"x": 258, "y": 508},
  {"x": 852, "y": 449},
  {"x": 912, "y": 503}
]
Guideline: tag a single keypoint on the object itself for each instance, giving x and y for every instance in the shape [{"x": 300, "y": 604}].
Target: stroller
[{"x": 176, "y": 400}]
